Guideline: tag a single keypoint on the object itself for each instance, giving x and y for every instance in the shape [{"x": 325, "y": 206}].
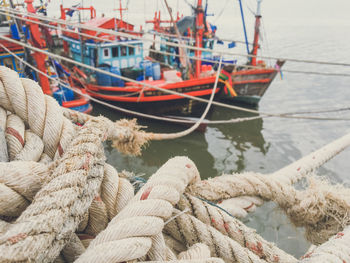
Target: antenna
[{"x": 121, "y": 9}]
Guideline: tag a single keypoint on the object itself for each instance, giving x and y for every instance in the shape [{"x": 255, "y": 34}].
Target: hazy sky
[{"x": 323, "y": 11}]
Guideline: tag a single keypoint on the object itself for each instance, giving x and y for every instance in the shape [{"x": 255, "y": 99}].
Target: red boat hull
[{"x": 250, "y": 85}]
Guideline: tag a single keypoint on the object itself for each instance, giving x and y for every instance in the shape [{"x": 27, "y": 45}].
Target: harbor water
[{"x": 293, "y": 29}]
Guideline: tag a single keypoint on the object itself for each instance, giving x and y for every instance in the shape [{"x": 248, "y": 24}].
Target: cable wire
[
  {"x": 263, "y": 115},
  {"x": 121, "y": 34}
]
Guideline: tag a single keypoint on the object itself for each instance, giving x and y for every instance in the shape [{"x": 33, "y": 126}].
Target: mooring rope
[
  {"x": 78, "y": 208},
  {"x": 143, "y": 216}
]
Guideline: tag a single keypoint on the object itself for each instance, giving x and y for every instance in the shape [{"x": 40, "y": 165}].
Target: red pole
[
  {"x": 63, "y": 13},
  {"x": 199, "y": 36},
  {"x": 256, "y": 33},
  {"x": 256, "y": 39},
  {"x": 37, "y": 41}
]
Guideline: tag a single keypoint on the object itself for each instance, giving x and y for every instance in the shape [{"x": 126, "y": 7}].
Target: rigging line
[
  {"x": 91, "y": 98},
  {"x": 144, "y": 115},
  {"x": 319, "y": 111},
  {"x": 187, "y": 62},
  {"x": 64, "y": 22},
  {"x": 191, "y": 38},
  {"x": 162, "y": 136},
  {"x": 265, "y": 37},
  {"x": 107, "y": 40},
  {"x": 194, "y": 57},
  {"x": 125, "y": 44},
  {"x": 98, "y": 38},
  {"x": 283, "y": 115},
  {"x": 124, "y": 78},
  {"x": 111, "y": 32},
  {"x": 249, "y": 8},
  {"x": 220, "y": 14},
  {"x": 196, "y": 125}
]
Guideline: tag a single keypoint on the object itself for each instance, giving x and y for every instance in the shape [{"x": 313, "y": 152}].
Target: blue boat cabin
[{"x": 121, "y": 54}]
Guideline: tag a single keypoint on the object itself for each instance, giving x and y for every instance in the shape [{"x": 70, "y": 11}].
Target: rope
[
  {"x": 131, "y": 234},
  {"x": 209, "y": 50},
  {"x": 288, "y": 175},
  {"x": 64, "y": 199},
  {"x": 321, "y": 208},
  {"x": 306, "y": 165},
  {"x": 42, "y": 114},
  {"x": 233, "y": 228},
  {"x": 236, "y": 120},
  {"x": 19, "y": 182},
  {"x": 58, "y": 209},
  {"x": 170, "y": 91},
  {"x": 334, "y": 250},
  {"x": 196, "y": 125},
  {"x": 188, "y": 229}
]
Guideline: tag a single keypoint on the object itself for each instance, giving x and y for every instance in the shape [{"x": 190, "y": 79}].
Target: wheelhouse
[{"x": 121, "y": 54}]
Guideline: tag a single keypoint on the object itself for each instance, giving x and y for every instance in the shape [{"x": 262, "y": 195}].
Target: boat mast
[
  {"x": 121, "y": 9},
  {"x": 256, "y": 33},
  {"x": 199, "y": 36}
]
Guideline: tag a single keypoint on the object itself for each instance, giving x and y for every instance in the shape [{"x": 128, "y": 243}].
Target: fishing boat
[
  {"x": 245, "y": 83},
  {"x": 156, "y": 82},
  {"x": 15, "y": 56}
]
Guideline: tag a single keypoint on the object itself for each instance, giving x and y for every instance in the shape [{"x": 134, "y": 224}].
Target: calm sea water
[{"x": 314, "y": 31}]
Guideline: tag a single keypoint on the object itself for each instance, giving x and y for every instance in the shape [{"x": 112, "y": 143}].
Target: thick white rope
[
  {"x": 188, "y": 229},
  {"x": 46, "y": 226},
  {"x": 42, "y": 113},
  {"x": 129, "y": 235},
  {"x": 298, "y": 169},
  {"x": 233, "y": 228},
  {"x": 19, "y": 182},
  {"x": 220, "y": 188},
  {"x": 335, "y": 250}
]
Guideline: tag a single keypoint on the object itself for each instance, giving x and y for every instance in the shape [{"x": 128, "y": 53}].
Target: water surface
[{"x": 294, "y": 29}]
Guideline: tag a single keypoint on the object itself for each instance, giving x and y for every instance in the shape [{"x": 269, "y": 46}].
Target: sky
[{"x": 313, "y": 11}]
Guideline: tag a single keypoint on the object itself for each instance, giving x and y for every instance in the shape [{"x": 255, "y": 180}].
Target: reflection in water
[
  {"x": 222, "y": 148},
  {"x": 158, "y": 152},
  {"x": 234, "y": 145}
]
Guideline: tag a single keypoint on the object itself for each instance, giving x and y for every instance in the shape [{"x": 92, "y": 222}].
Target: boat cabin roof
[
  {"x": 109, "y": 23},
  {"x": 104, "y": 23}
]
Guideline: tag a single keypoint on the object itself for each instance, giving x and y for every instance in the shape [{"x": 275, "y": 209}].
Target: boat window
[
  {"x": 123, "y": 51},
  {"x": 131, "y": 51},
  {"x": 115, "y": 52},
  {"x": 106, "y": 52}
]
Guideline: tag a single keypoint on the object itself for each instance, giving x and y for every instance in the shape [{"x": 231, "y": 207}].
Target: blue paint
[
  {"x": 82, "y": 108},
  {"x": 146, "y": 65},
  {"x": 63, "y": 94},
  {"x": 232, "y": 44},
  {"x": 116, "y": 81},
  {"x": 156, "y": 71},
  {"x": 103, "y": 79},
  {"x": 244, "y": 27}
]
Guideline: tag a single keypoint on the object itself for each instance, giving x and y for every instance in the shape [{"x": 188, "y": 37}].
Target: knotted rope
[{"x": 321, "y": 208}]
